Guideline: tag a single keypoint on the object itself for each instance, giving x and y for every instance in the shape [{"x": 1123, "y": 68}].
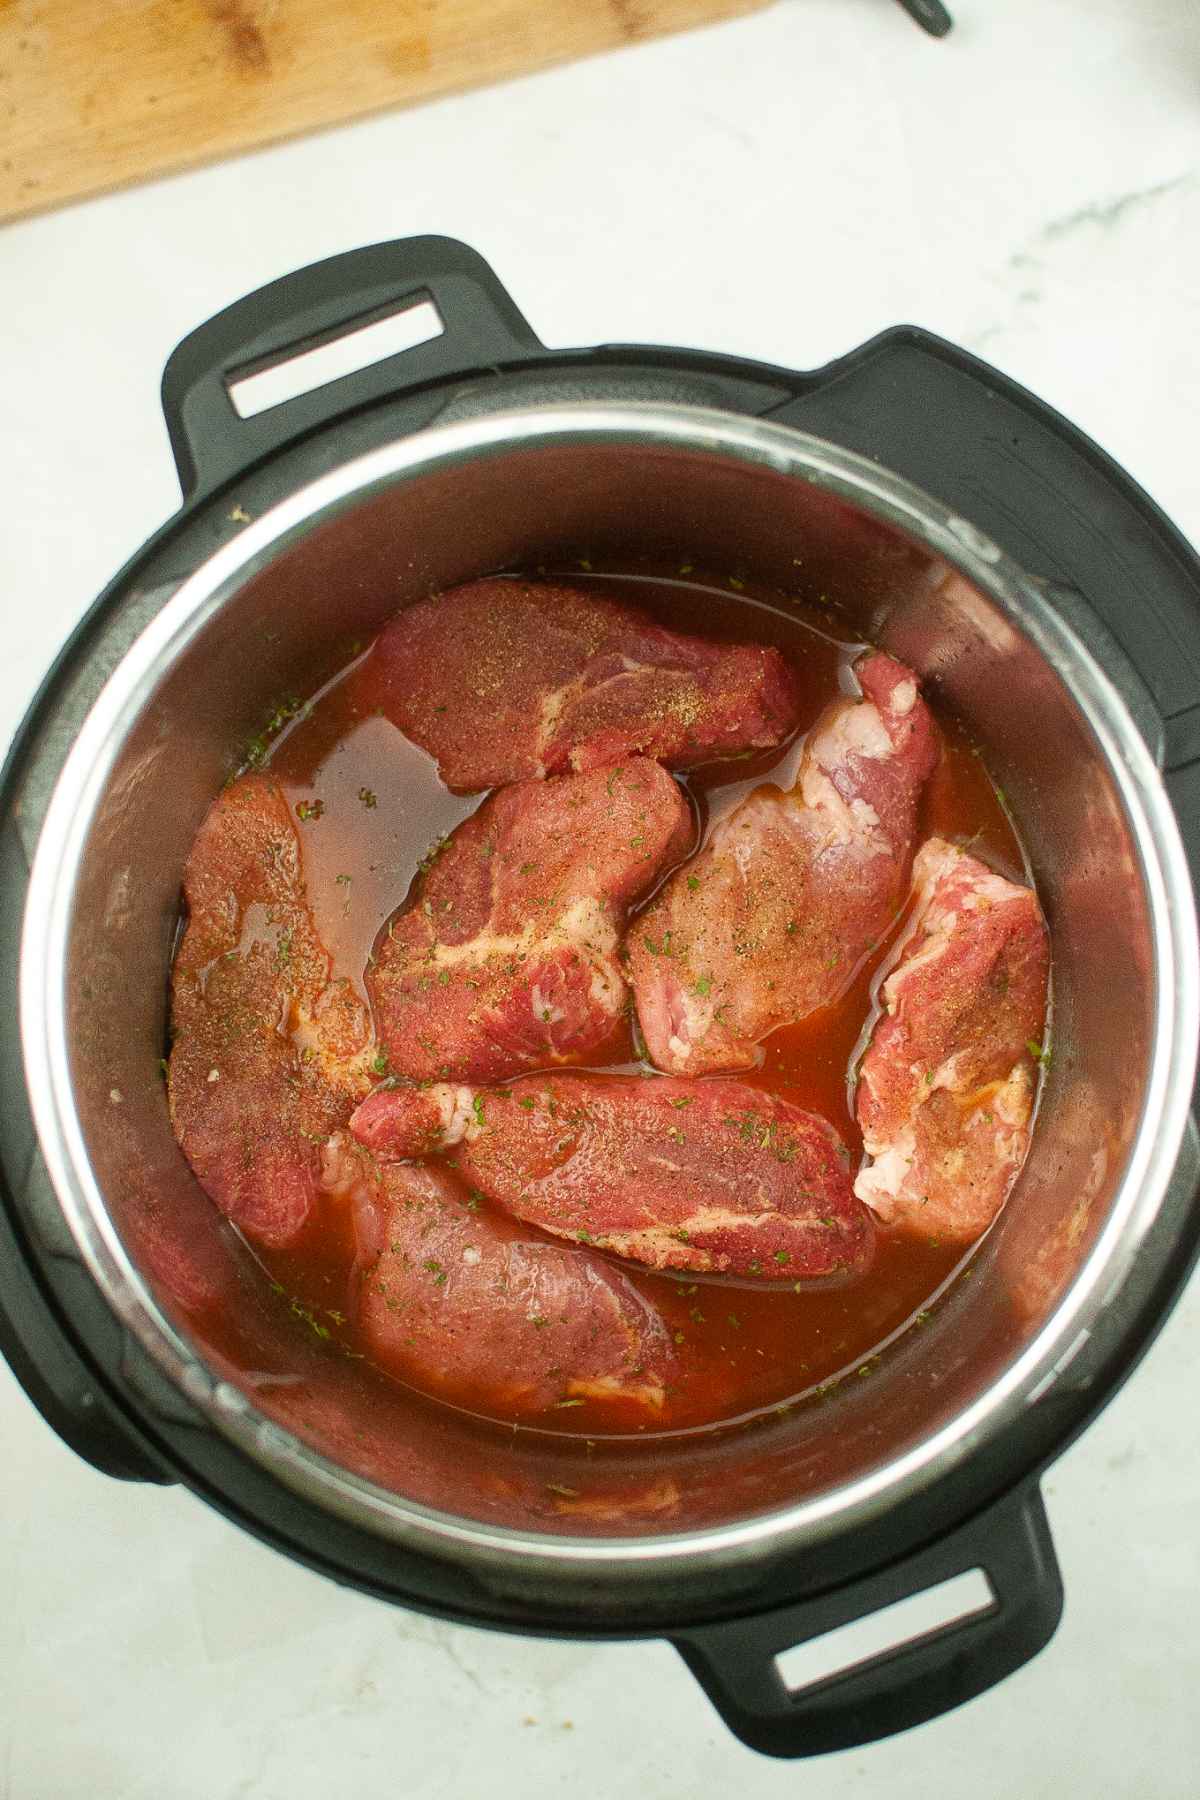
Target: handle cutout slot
[
  {"x": 343, "y": 355},
  {"x": 880, "y": 1633}
]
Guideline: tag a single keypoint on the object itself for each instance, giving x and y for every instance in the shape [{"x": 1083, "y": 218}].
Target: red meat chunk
[
  {"x": 467, "y": 1305},
  {"x": 771, "y": 920},
  {"x": 506, "y": 955},
  {"x": 945, "y": 1092},
  {"x": 270, "y": 1054},
  {"x": 505, "y": 681},
  {"x": 712, "y": 1176}
]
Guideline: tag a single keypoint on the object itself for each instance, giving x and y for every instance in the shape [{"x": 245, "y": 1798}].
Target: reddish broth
[{"x": 371, "y": 806}]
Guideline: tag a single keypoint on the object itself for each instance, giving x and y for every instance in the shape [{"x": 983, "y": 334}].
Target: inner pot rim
[{"x": 705, "y": 432}]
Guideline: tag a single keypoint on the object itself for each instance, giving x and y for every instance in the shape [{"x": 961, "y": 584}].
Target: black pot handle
[
  {"x": 482, "y": 329},
  {"x": 735, "y": 1662}
]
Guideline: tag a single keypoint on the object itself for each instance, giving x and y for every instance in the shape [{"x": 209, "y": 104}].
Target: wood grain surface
[{"x": 95, "y": 93}]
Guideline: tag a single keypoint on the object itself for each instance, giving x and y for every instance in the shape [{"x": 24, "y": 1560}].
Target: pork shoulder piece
[
  {"x": 505, "y": 680},
  {"x": 771, "y": 920},
  {"x": 466, "y": 1304},
  {"x": 946, "y": 1089},
  {"x": 269, "y": 1053},
  {"x": 506, "y": 957},
  {"x": 711, "y": 1176}
]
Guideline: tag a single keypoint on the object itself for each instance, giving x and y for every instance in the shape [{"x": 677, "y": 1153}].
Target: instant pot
[{"x": 945, "y": 514}]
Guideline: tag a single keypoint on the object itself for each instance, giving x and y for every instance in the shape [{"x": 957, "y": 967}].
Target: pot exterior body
[{"x": 254, "y": 593}]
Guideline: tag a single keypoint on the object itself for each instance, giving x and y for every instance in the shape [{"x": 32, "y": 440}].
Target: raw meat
[
  {"x": 270, "y": 1054},
  {"x": 771, "y": 920},
  {"x": 506, "y": 956},
  {"x": 945, "y": 1092},
  {"x": 468, "y": 1305},
  {"x": 504, "y": 681},
  {"x": 711, "y": 1176}
]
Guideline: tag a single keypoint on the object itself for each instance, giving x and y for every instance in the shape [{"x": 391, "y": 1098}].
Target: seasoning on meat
[
  {"x": 712, "y": 1176},
  {"x": 488, "y": 1276},
  {"x": 270, "y": 1054},
  {"x": 505, "y": 680},
  {"x": 946, "y": 1089},
  {"x": 506, "y": 958},
  {"x": 466, "y": 1304},
  {"x": 772, "y": 919}
]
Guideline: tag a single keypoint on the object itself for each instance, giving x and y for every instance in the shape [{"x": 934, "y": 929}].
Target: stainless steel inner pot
[{"x": 271, "y": 614}]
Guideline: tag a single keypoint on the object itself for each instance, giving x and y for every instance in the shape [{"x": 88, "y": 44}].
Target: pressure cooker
[{"x": 951, "y": 518}]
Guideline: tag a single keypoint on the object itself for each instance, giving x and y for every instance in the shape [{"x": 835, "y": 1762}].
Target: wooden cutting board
[{"x": 94, "y": 93}]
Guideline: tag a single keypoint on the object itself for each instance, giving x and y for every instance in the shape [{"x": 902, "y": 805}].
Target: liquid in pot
[{"x": 370, "y": 805}]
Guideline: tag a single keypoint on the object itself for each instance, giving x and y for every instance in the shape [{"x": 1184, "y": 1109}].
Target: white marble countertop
[{"x": 780, "y": 187}]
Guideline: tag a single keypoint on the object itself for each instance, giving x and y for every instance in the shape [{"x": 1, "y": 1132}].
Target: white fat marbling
[{"x": 780, "y": 187}]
